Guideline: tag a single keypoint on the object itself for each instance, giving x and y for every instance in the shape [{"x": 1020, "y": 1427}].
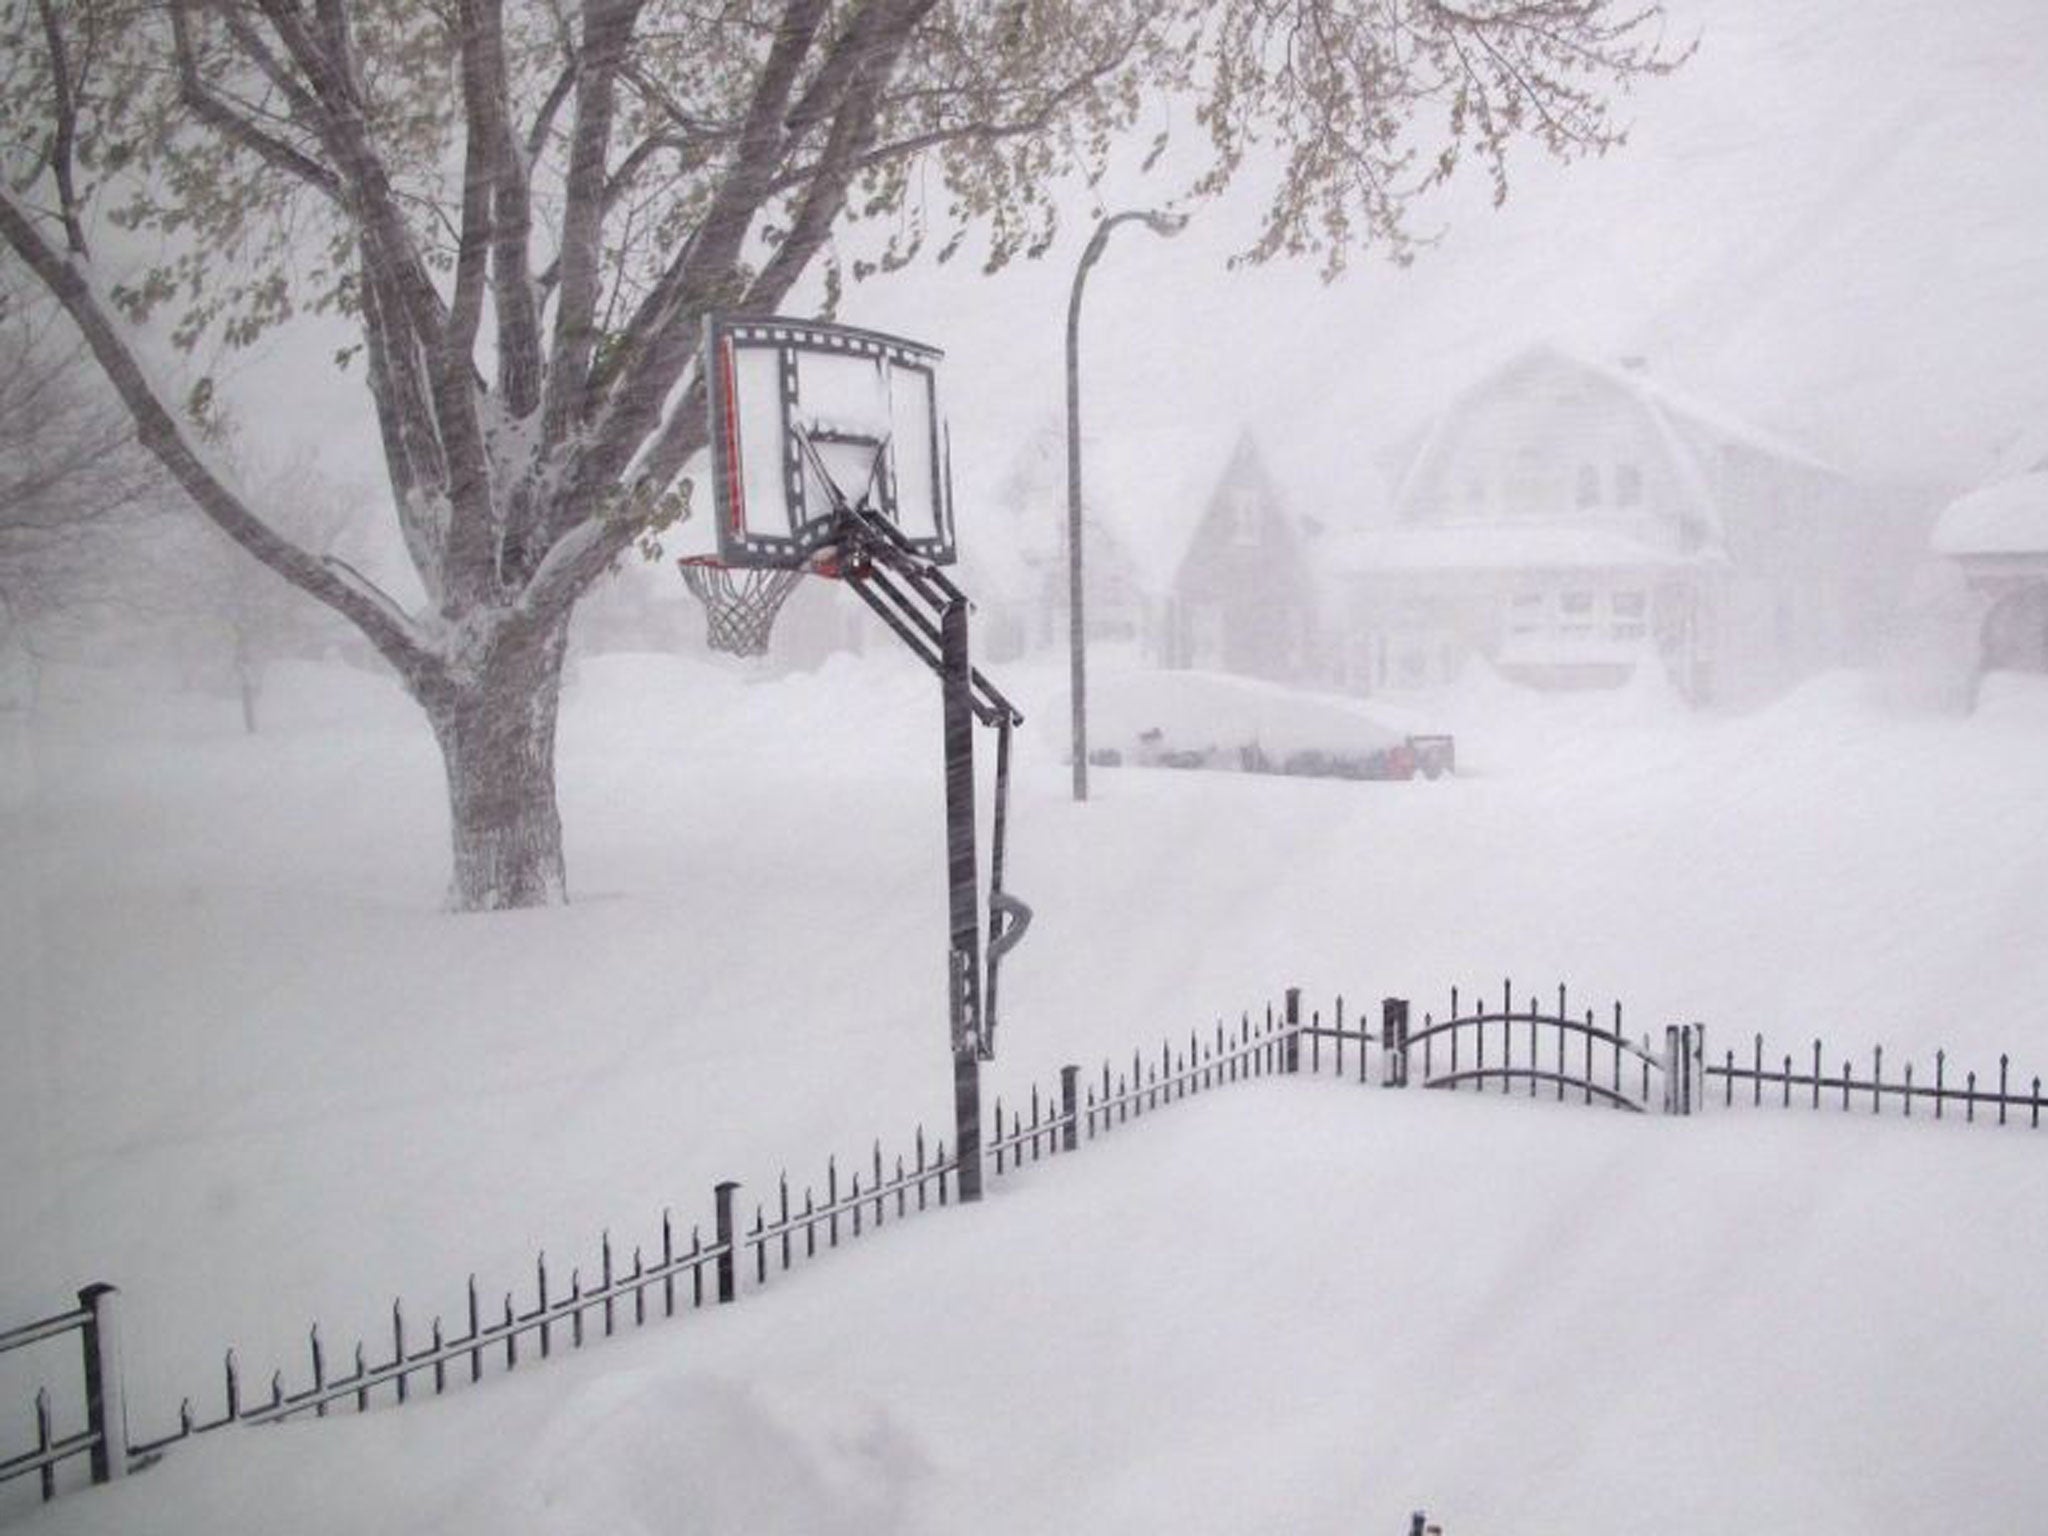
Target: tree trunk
[{"x": 497, "y": 735}]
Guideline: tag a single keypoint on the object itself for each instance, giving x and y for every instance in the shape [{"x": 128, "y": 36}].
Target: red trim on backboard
[{"x": 735, "y": 490}]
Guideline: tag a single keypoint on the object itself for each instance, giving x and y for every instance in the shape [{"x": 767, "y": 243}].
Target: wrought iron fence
[
  {"x": 1815, "y": 1089},
  {"x": 103, "y": 1439},
  {"x": 791, "y": 1228},
  {"x": 1532, "y": 1051}
]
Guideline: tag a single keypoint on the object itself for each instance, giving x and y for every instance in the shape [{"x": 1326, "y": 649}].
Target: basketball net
[{"x": 739, "y": 605}]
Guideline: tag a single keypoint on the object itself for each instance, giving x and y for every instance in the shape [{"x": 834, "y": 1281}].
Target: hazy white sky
[{"x": 1833, "y": 221}]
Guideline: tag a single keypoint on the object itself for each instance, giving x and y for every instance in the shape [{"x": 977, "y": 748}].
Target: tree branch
[
  {"x": 272, "y": 68},
  {"x": 406, "y": 325},
  {"x": 340, "y": 40},
  {"x": 231, "y": 125},
  {"x": 684, "y": 432},
  {"x": 662, "y": 332},
  {"x": 64, "y": 138},
  {"x": 472, "y": 247},
  {"x": 486, "y": 88},
  {"x": 367, "y": 191},
  {"x": 413, "y": 457},
  {"x": 620, "y": 182},
  {"x": 607, "y": 28},
  {"x": 544, "y": 119},
  {"x": 980, "y": 131},
  {"x": 161, "y": 433}
]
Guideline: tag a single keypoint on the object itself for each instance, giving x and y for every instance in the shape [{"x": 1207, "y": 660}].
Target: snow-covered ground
[{"x": 256, "y": 1078}]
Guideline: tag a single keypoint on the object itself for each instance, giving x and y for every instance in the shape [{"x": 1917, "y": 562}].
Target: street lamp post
[{"x": 1077, "y": 645}]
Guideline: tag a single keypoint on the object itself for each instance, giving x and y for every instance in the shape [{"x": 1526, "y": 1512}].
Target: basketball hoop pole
[
  {"x": 929, "y": 614},
  {"x": 851, "y": 478},
  {"x": 964, "y": 954}
]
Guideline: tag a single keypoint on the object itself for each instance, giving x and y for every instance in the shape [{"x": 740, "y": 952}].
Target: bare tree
[
  {"x": 527, "y": 207},
  {"x": 75, "y": 490},
  {"x": 196, "y": 579}
]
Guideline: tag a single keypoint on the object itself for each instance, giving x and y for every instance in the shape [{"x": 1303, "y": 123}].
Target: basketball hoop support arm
[{"x": 928, "y": 613}]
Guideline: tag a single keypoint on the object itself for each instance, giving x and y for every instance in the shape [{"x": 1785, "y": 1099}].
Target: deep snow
[
  {"x": 1289, "y": 1307},
  {"x": 267, "y": 1082}
]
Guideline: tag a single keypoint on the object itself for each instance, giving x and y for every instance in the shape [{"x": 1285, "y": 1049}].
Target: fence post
[
  {"x": 727, "y": 1243},
  {"x": 1070, "y": 1110},
  {"x": 1680, "y": 1043},
  {"x": 1290, "y": 1058},
  {"x": 106, "y": 1410},
  {"x": 1393, "y": 1042}
]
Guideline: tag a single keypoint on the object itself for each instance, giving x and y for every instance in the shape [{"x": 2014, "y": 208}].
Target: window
[
  {"x": 1475, "y": 494},
  {"x": 1577, "y": 608},
  {"x": 1628, "y": 612},
  {"x": 1244, "y": 517},
  {"x": 1526, "y": 613},
  {"x": 1628, "y": 485},
  {"x": 1589, "y": 486}
]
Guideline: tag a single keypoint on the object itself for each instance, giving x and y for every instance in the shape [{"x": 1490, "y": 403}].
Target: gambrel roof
[{"x": 1682, "y": 425}]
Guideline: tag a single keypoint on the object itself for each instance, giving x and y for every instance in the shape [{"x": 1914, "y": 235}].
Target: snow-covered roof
[
  {"x": 1147, "y": 491},
  {"x": 2009, "y": 517},
  {"x": 1157, "y": 488},
  {"x": 1713, "y": 419},
  {"x": 1419, "y": 547},
  {"x": 1673, "y": 415}
]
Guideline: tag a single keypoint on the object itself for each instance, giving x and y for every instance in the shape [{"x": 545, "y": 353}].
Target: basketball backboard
[{"x": 806, "y": 417}]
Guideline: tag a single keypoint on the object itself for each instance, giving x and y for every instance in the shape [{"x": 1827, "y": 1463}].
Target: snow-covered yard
[{"x": 257, "y": 1079}]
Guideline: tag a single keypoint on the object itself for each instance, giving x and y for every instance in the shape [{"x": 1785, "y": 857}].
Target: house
[
  {"x": 1567, "y": 520},
  {"x": 1242, "y": 593},
  {"x": 1014, "y": 560},
  {"x": 1997, "y": 538},
  {"x": 1192, "y": 557}
]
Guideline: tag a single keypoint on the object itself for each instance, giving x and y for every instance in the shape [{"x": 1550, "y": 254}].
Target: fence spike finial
[{"x": 319, "y": 1368}]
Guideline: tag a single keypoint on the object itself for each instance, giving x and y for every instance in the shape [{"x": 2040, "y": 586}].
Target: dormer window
[
  {"x": 1628, "y": 485},
  {"x": 1244, "y": 517}
]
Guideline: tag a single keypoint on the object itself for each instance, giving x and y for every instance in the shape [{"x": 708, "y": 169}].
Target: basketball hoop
[
  {"x": 828, "y": 455},
  {"x": 739, "y": 605}
]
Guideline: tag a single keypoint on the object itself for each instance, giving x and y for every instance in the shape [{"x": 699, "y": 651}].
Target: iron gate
[{"x": 1539, "y": 1052}]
